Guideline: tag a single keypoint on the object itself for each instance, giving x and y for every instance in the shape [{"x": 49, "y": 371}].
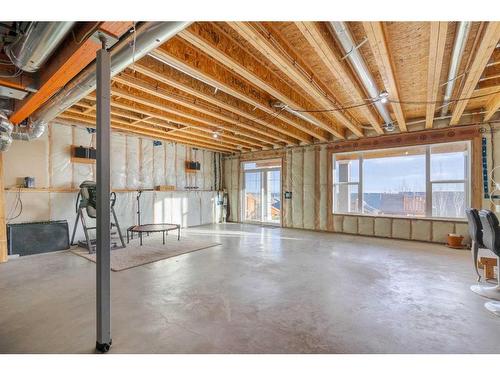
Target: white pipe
[
  {"x": 456, "y": 56},
  {"x": 344, "y": 37}
]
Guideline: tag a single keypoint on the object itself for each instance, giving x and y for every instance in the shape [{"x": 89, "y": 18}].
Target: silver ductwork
[
  {"x": 351, "y": 50},
  {"x": 456, "y": 56},
  {"x": 32, "y": 49},
  {"x": 5, "y": 132},
  {"x": 149, "y": 36}
]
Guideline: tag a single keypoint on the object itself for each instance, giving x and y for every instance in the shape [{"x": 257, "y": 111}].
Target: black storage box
[
  {"x": 37, "y": 237},
  {"x": 81, "y": 152}
]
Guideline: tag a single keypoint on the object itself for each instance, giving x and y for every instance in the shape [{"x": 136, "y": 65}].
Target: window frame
[{"x": 429, "y": 183}]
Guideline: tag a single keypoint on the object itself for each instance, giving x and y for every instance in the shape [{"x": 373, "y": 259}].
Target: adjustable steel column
[{"x": 103, "y": 224}]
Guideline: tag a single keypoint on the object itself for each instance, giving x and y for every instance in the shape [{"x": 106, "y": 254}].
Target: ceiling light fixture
[
  {"x": 389, "y": 127},
  {"x": 383, "y": 96}
]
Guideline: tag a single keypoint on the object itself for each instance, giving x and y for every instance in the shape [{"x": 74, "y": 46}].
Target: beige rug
[{"x": 152, "y": 251}]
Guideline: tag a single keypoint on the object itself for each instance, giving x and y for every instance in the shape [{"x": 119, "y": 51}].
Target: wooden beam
[
  {"x": 375, "y": 34},
  {"x": 492, "y": 106},
  {"x": 485, "y": 49},
  {"x": 218, "y": 77},
  {"x": 227, "y": 51},
  {"x": 191, "y": 61},
  {"x": 3, "y": 228},
  {"x": 197, "y": 120},
  {"x": 171, "y": 77},
  {"x": 437, "y": 42},
  {"x": 194, "y": 105},
  {"x": 66, "y": 64},
  {"x": 318, "y": 41},
  {"x": 152, "y": 133},
  {"x": 263, "y": 44},
  {"x": 134, "y": 120}
]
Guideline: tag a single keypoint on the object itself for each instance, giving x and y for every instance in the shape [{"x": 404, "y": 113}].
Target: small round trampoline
[{"x": 153, "y": 228}]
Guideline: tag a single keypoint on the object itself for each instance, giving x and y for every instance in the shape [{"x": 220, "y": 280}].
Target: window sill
[{"x": 453, "y": 220}]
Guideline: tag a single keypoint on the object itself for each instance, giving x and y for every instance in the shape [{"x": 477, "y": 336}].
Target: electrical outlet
[{"x": 497, "y": 208}]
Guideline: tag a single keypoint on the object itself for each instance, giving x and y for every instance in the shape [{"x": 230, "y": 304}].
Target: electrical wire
[
  {"x": 18, "y": 203},
  {"x": 372, "y": 101}
]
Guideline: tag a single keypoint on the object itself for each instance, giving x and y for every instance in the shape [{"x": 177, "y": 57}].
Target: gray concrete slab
[{"x": 264, "y": 290}]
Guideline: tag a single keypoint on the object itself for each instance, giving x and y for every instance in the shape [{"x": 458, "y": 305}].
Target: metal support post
[{"x": 103, "y": 221}]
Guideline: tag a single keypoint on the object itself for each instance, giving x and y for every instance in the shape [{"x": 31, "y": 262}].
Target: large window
[{"x": 418, "y": 181}]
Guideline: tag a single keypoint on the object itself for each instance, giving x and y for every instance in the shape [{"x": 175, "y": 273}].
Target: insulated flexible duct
[
  {"x": 5, "y": 132},
  {"x": 33, "y": 48}
]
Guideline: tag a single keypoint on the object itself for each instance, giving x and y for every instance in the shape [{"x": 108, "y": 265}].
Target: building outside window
[{"x": 417, "y": 181}]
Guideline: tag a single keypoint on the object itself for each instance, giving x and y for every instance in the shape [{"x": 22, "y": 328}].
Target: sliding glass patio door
[{"x": 261, "y": 194}]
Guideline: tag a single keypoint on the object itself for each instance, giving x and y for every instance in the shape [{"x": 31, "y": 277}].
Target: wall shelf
[{"x": 82, "y": 160}]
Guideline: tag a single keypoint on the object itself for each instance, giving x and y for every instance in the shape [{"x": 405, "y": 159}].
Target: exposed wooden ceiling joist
[
  {"x": 264, "y": 46},
  {"x": 198, "y": 119},
  {"x": 194, "y": 105},
  {"x": 492, "y": 106},
  {"x": 437, "y": 43},
  {"x": 227, "y": 52},
  {"x": 149, "y": 133},
  {"x": 375, "y": 34},
  {"x": 163, "y": 73},
  {"x": 482, "y": 56},
  {"x": 319, "y": 43},
  {"x": 148, "y": 122}
]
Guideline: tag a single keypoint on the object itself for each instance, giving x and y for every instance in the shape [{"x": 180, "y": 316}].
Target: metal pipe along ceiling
[
  {"x": 149, "y": 36},
  {"x": 350, "y": 49},
  {"x": 456, "y": 56},
  {"x": 32, "y": 49}
]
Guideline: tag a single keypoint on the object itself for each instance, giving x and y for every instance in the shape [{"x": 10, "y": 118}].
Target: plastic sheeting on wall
[
  {"x": 159, "y": 165},
  {"x": 180, "y": 166},
  {"x": 132, "y": 163},
  {"x": 309, "y": 194},
  {"x": 323, "y": 181},
  {"x": 297, "y": 188},
  {"x": 146, "y": 165},
  {"x": 82, "y": 172},
  {"x": 118, "y": 161},
  {"x": 170, "y": 164},
  {"x": 61, "y": 138}
]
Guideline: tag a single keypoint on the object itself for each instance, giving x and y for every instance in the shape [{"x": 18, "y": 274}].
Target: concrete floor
[{"x": 264, "y": 290}]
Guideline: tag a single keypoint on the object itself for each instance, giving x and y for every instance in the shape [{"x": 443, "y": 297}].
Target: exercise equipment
[
  {"x": 86, "y": 199},
  {"x": 476, "y": 235},
  {"x": 164, "y": 228},
  {"x": 491, "y": 240}
]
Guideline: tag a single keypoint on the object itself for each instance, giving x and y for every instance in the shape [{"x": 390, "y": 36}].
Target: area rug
[{"x": 134, "y": 255}]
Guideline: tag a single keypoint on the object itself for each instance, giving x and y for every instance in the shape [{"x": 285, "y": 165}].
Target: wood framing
[
  {"x": 290, "y": 68},
  {"x": 227, "y": 52},
  {"x": 492, "y": 106},
  {"x": 171, "y": 77},
  {"x": 375, "y": 34},
  {"x": 319, "y": 43},
  {"x": 66, "y": 65},
  {"x": 408, "y": 139},
  {"x": 437, "y": 42},
  {"x": 483, "y": 53}
]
